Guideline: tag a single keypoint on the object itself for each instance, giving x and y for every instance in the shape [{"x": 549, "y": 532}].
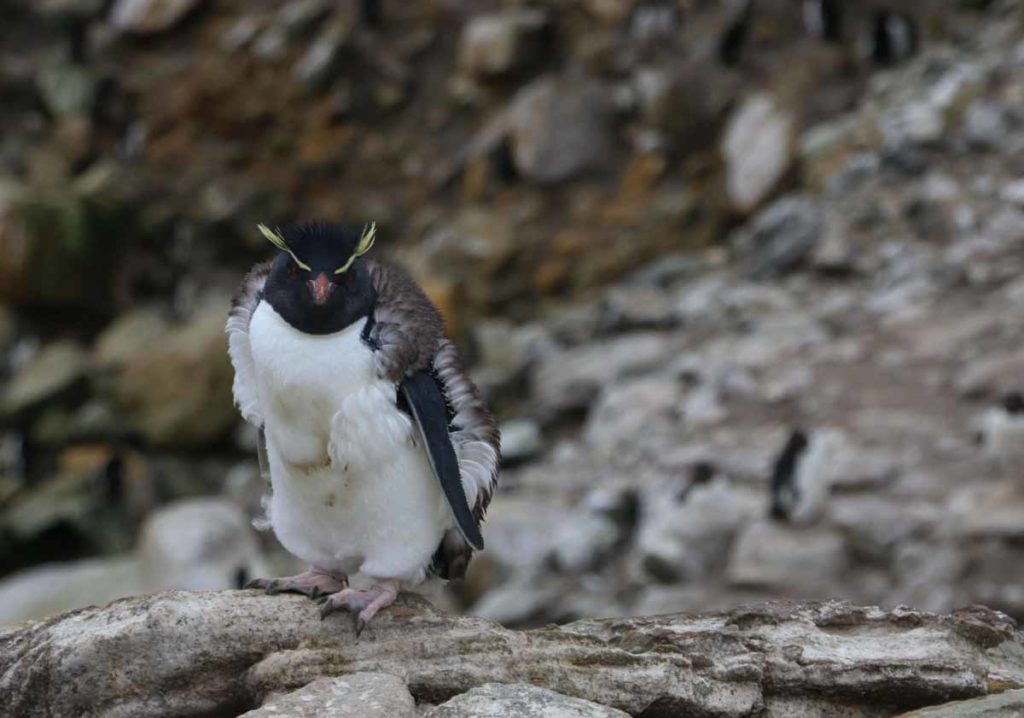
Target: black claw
[
  {"x": 255, "y": 583},
  {"x": 326, "y": 609},
  {"x": 360, "y": 625}
]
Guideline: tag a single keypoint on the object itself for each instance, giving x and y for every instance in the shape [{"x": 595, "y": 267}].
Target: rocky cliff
[{"x": 671, "y": 236}]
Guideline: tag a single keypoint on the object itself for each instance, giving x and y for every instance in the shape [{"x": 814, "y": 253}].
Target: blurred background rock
[{"x": 668, "y": 234}]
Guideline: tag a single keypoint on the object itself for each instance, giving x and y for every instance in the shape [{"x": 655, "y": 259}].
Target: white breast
[
  {"x": 814, "y": 476},
  {"x": 1002, "y": 435},
  {"x": 352, "y": 485},
  {"x": 303, "y": 379}
]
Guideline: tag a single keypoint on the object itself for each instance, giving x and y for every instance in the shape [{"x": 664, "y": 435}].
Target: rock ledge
[{"x": 188, "y": 654}]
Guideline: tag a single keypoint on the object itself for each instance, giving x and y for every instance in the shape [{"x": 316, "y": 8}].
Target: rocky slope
[
  {"x": 702, "y": 229},
  {"x": 878, "y": 311}
]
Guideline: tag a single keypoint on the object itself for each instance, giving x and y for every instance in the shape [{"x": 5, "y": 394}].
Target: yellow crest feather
[
  {"x": 278, "y": 241},
  {"x": 366, "y": 241}
]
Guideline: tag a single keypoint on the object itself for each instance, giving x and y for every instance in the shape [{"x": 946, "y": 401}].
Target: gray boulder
[
  {"x": 782, "y": 236},
  {"x": 757, "y": 147},
  {"x": 177, "y": 392},
  {"x": 195, "y": 544},
  {"x": 56, "y": 249},
  {"x": 769, "y": 554},
  {"x": 561, "y": 128},
  {"x": 1001, "y": 705},
  {"x": 53, "y": 588},
  {"x": 360, "y": 695},
  {"x": 146, "y": 17},
  {"x": 689, "y": 540},
  {"x": 571, "y": 379},
  {"x": 202, "y": 544},
  {"x": 54, "y": 372},
  {"x": 499, "y": 43},
  {"x": 497, "y": 700}
]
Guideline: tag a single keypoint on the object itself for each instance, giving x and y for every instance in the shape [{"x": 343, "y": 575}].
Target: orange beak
[{"x": 320, "y": 288}]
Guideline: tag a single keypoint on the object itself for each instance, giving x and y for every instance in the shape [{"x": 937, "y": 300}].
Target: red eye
[
  {"x": 293, "y": 272},
  {"x": 349, "y": 280}
]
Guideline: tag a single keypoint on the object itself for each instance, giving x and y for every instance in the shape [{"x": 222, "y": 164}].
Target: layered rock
[{"x": 234, "y": 650}]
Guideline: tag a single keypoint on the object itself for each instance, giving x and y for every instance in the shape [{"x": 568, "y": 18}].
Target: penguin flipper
[
  {"x": 244, "y": 303},
  {"x": 424, "y": 400}
]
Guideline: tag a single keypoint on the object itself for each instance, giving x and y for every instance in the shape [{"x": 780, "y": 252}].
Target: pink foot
[
  {"x": 365, "y": 604},
  {"x": 315, "y": 582}
]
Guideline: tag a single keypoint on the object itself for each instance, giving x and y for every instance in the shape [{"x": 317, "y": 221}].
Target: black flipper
[{"x": 426, "y": 403}]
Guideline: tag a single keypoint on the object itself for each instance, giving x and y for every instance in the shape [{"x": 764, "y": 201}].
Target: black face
[
  {"x": 320, "y": 299},
  {"x": 1013, "y": 403}
]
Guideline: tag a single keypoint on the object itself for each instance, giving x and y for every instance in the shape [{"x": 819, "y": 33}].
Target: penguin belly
[
  {"x": 1003, "y": 435},
  {"x": 352, "y": 485}
]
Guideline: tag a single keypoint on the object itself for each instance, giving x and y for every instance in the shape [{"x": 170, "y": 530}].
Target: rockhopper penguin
[
  {"x": 803, "y": 474},
  {"x": 382, "y": 456},
  {"x": 1001, "y": 430}
]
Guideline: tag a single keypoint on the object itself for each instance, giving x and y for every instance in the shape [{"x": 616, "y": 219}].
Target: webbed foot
[
  {"x": 315, "y": 582},
  {"x": 363, "y": 605}
]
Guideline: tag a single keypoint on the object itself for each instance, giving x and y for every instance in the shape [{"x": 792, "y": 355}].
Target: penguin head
[
  {"x": 319, "y": 282},
  {"x": 1013, "y": 403}
]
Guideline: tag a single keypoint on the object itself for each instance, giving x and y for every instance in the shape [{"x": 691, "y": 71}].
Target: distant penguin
[
  {"x": 784, "y": 490},
  {"x": 823, "y": 19},
  {"x": 1001, "y": 429},
  {"x": 701, "y": 474},
  {"x": 802, "y": 476},
  {"x": 893, "y": 37}
]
